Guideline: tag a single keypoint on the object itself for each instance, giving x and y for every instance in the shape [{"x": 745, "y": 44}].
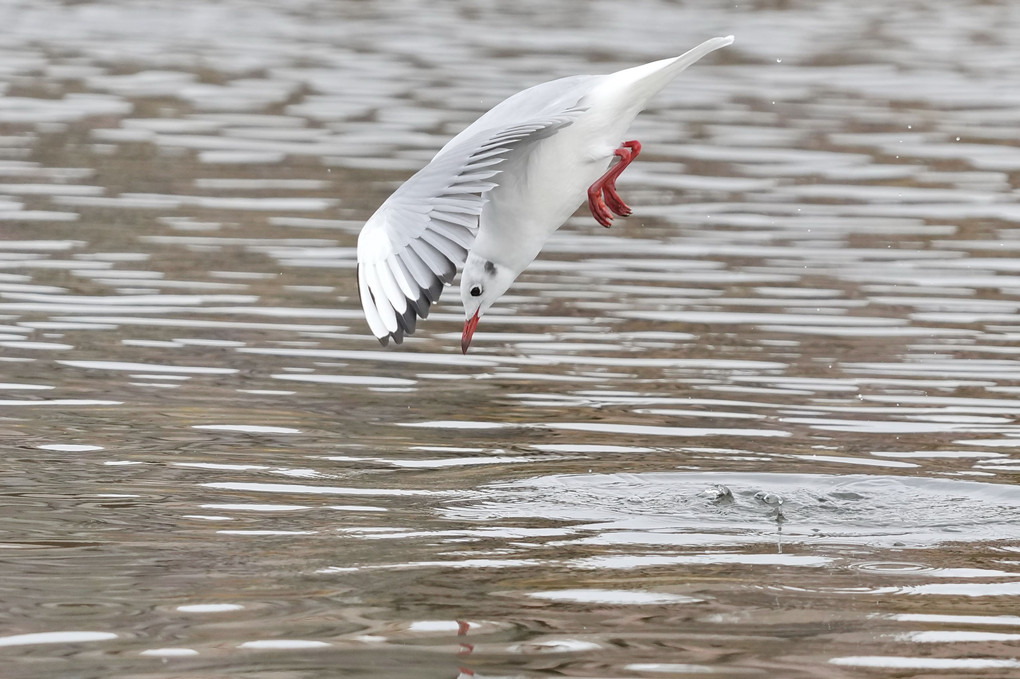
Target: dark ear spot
[
  {"x": 476, "y": 291},
  {"x": 490, "y": 268}
]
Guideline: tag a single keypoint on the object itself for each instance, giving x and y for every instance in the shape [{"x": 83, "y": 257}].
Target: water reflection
[{"x": 213, "y": 465}]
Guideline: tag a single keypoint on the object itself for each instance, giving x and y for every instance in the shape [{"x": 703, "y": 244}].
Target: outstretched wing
[{"x": 411, "y": 247}]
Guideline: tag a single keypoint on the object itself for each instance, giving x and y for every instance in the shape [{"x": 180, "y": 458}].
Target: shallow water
[{"x": 767, "y": 426}]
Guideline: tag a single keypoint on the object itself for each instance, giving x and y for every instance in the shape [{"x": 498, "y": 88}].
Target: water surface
[{"x": 767, "y": 426}]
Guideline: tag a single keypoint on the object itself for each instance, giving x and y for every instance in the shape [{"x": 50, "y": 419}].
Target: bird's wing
[{"x": 411, "y": 247}]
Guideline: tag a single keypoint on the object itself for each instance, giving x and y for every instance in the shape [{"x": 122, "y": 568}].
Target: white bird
[{"x": 494, "y": 193}]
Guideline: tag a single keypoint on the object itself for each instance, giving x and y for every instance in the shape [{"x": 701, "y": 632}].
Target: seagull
[{"x": 493, "y": 194}]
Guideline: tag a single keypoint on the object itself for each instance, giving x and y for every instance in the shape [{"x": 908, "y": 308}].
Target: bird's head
[{"x": 482, "y": 283}]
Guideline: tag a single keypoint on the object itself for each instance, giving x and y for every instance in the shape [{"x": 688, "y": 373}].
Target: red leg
[
  {"x": 465, "y": 648},
  {"x": 603, "y": 200},
  {"x": 628, "y": 152}
]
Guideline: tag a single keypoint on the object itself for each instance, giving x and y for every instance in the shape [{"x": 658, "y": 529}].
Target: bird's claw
[
  {"x": 598, "y": 207},
  {"x": 614, "y": 201}
]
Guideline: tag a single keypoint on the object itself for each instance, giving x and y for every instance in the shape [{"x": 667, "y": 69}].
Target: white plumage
[{"x": 492, "y": 196}]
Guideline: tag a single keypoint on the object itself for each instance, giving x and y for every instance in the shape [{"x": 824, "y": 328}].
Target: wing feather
[
  {"x": 465, "y": 220},
  {"x": 449, "y": 249},
  {"x": 422, "y": 274},
  {"x": 375, "y": 321},
  {"x": 461, "y": 234},
  {"x": 415, "y": 296},
  {"x": 434, "y": 260},
  {"x": 380, "y": 308},
  {"x": 414, "y": 243},
  {"x": 403, "y": 277},
  {"x": 390, "y": 288}
]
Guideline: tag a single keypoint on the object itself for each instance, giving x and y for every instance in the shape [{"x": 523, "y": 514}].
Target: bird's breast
[{"x": 536, "y": 193}]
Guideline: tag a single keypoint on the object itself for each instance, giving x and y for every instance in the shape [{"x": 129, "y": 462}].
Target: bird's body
[{"x": 493, "y": 195}]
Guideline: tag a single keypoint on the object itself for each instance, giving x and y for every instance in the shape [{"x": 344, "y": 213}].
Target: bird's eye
[{"x": 476, "y": 291}]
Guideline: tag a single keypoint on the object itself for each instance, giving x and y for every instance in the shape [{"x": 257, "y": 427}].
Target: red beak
[{"x": 469, "y": 331}]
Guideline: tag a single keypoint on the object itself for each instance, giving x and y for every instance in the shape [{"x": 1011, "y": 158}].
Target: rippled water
[{"x": 767, "y": 426}]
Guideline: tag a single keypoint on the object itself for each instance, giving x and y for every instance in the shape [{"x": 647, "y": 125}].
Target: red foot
[
  {"x": 603, "y": 200},
  {"x": 465, "y": 649},
  {"x": 462, "y": 630}
]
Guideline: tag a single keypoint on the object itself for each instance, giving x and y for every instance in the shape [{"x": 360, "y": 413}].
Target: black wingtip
[
  {"x": 434, "y": 290},
  {"x": 407, "y": 319}
]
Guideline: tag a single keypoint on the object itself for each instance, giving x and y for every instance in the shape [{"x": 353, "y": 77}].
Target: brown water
[{"x": 767, "y": 426}]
